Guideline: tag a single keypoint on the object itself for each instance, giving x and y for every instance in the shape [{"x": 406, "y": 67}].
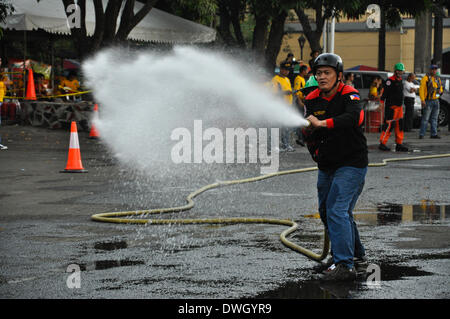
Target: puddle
[
  {"x": 387, "y": 214},
  {"x": 107, "y": 264},
  {"x": 111, "y": 245},
  {"x": 390, "y": 214},
  {"x": 315, "y": 289}
]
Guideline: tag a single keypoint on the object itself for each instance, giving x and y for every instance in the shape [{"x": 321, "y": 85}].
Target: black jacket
[
  {"x": 342, "y": 142},
  {"x": 393, "y": 91}
]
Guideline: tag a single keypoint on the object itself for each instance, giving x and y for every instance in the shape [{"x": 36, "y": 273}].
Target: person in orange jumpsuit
[{"x": 393, "y": 110}]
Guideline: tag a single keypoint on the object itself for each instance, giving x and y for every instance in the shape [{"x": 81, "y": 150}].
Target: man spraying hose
[{"x": 337, "y": 143}]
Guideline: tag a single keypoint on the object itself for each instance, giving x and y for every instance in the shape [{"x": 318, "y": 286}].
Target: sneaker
[
  {"x": 3, "y": 147},
  {"x": 401, "y": 148},
  {"x": 361, "y": 264},
  {"x": 282, "y": 149},
  {"x": 435, "y": 136},
  {"x": 300, "y": 142},
  {"x": 339, "y": 272},
  {"x": 329, "y": 262},
  {"x": 383, "y": 147}
]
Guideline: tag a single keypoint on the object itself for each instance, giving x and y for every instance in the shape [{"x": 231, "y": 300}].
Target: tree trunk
[
  {"x": 275, "y": 39},
  {"x": 225, "y": 23},
  {"x": 110, "y": 26},
  {"x": 129, "y": 20},
  {"x": 79, "y": 34},
  {"x": 259, "y": 37},
  {"x": 235, "y": 10},
  {"x": 438, "y": 30},
  {"x": 106, "y": 24},
  {"x": 313, "y": 36}
]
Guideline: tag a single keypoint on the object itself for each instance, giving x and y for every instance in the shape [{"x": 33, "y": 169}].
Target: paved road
[{"x": 403, "y": 216}]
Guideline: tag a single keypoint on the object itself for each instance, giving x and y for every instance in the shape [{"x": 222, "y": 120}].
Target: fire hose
[{"x": 119, "y": 217}]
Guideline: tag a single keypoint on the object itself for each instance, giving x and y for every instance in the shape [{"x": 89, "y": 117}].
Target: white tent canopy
[{"x": 157, "y": 26}]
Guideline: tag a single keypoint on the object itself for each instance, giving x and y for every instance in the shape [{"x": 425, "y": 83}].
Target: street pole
[{"x": 332, "y": 28}]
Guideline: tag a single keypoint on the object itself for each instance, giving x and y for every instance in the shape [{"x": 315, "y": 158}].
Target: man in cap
[
  {"x": 393, "y": 110},
  {"x": 430, "y": 90},
  {"x": 337, "y": 143}
]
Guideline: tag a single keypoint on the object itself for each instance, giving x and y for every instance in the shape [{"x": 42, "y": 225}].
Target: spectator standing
[
  {"x": 290, "y": 59},
  {"x": 314, "y": 55},
  {"x": 348, "y": 79},
  {"x": 430, "y": 90},
  {"x": 70, "y": 85},
  {"x": 409, "y": 91},
  {"x": 282, "y": 85},
  {"x": 393, "y": 110},
  {"x": 2, "y": 94},
  {"x": 374, "y": 94},
  {"x": 299, "y": 83}
]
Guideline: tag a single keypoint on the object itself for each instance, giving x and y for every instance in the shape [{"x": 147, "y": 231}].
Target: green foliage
[
  {"x": 6, "y": 8},
  {"x": 201, "y": 11}
]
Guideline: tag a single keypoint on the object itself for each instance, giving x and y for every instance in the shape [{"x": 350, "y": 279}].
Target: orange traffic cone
[
  {"x": 94, "y": 133},
  {"x": 31, "y": 91},
  {"x": 74, "y": 159}
]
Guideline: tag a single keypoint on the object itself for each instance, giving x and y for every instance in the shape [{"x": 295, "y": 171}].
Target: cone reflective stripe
[
  {"x": 31, "y": 91},
  {"x": 74, "y": 164},
  {"x": 94, "y": 133}
]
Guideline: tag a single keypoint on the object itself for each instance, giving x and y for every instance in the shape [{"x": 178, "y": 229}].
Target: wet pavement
[{"x": 46, "y": 231}]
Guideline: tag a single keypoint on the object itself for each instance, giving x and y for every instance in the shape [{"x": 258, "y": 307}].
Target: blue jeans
[
  {"x": 285, "y": 136},
  {"x": 431, "y": 109},
  {"x": 338, "y": 192}
]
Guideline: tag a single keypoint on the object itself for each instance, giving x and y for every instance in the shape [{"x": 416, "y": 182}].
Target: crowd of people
[
  {"x": 15, "y": 86},
  {"x": 395, "y": 97}
]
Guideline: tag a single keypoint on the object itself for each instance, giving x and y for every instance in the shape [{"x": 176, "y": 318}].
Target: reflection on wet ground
[
  {"x": 316, "y": 289},
  {"x": 110, "y": 245},
  {"x": 388, "y": 214},
  {"x": 392, "y": 214},
  {"x": 106, "y": 264}
]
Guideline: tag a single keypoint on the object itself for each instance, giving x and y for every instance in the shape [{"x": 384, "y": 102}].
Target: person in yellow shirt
[
  {"x": 374, "y": 94},
  {"x": 299, "y": 83},
  {"x": 430, "y": 90},
  {"x": 2, "y": 89},
  {"x": 2, "y": 94},
  {"x": 71, "y": 84},
  {"x": 282, "y": 85}
]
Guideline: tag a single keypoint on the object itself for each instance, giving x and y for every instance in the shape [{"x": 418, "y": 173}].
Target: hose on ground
[{"x": 119, "y": 217}]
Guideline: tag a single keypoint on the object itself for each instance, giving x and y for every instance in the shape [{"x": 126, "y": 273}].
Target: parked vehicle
[{"x": 363, "y": 80}]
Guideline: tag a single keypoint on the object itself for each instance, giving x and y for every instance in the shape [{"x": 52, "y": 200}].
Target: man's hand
[
  {"x": 315, "y": 122},
  {"x": 423, "y": 104}
]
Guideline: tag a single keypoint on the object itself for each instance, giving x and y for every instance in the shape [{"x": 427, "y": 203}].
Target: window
[{"x": 357, "y": 81}]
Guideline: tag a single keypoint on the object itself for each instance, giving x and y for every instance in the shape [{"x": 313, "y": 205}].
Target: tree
[
  {"x": 391, "y": 12},
  {"x": 231, "y": 12},
  {"x": 200, "y": 11},
  {"x": 106, "y": 20},
  {"x": 5, "y": 10},
  {"x": 324, "y": 9}
]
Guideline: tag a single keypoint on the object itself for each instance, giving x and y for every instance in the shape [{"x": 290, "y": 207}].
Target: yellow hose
[{"x": 117, "y": 217}]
